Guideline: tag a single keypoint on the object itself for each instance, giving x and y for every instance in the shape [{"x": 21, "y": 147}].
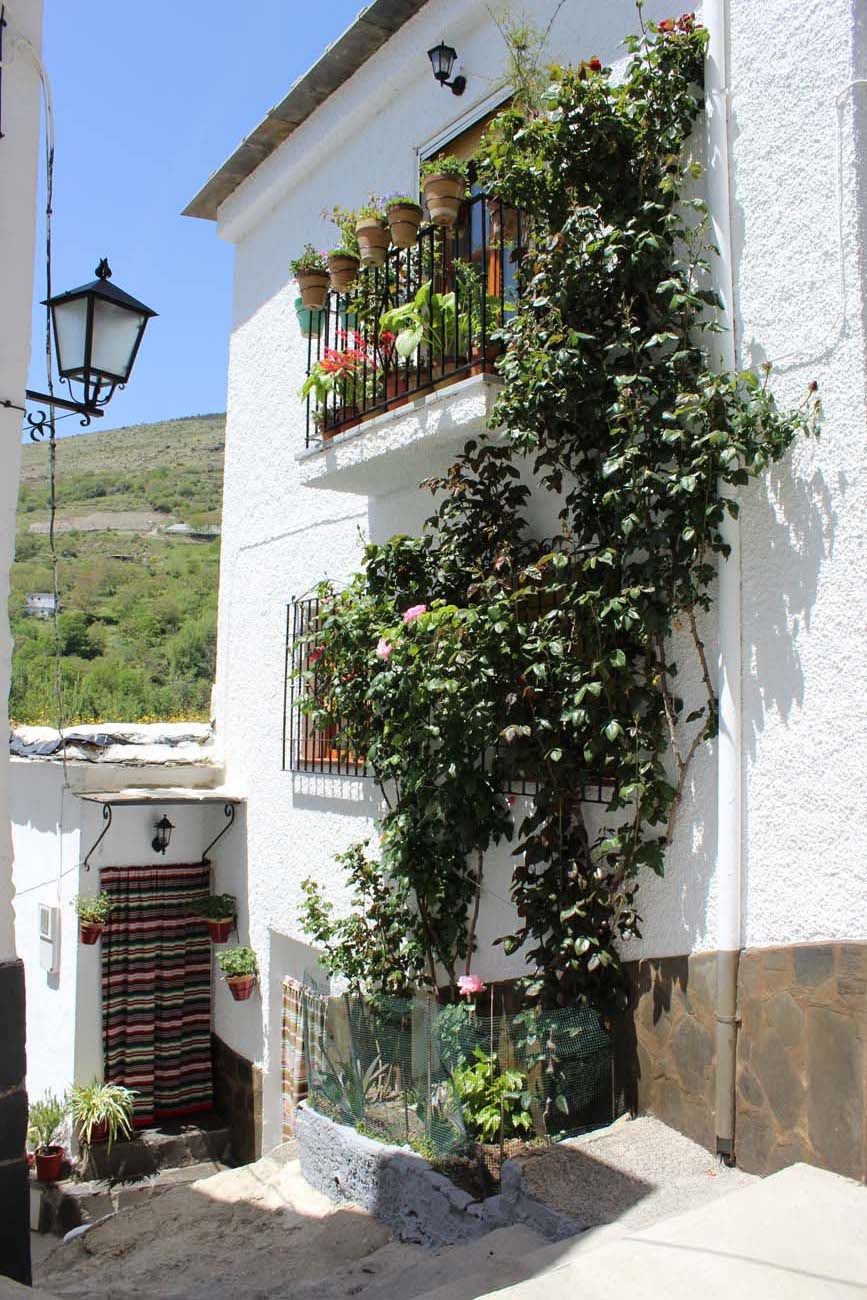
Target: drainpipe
[{"x": 729, "y": 781}]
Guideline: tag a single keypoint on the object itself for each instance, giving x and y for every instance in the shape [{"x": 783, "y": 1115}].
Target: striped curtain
[{"x": 156, "y": 989}]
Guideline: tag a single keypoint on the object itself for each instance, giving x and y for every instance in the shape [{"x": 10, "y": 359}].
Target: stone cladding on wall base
[
  {"x": 14, "y": 1180},
  {"x": 801, "y": 1057},
  {"x": 238, "y": 1099}
]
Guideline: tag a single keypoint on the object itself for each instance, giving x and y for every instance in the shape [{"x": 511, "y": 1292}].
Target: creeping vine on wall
[{"x": 455, "y": 660}]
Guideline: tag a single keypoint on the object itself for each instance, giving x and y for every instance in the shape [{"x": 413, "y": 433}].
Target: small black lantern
[
  {"x": 442, "y": 58},
  {"x": 162, "y": 835},
  {"x": 98, "y": 330}
]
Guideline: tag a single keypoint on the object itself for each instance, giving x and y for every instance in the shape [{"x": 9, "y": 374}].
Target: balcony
[{"x": 454, "y": 288}]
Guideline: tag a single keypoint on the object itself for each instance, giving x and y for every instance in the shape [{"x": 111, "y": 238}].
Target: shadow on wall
[{"x": 792, "y": 521}]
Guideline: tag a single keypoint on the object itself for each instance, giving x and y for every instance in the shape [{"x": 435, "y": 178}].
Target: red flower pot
[
  {"x": 49, "y": 1164},
  {"x": 241, "y": 986},
  {"x": 90, "y": 930},
  {"x": 219, "y": 929},
  {"x": 99, "y": 1133}
]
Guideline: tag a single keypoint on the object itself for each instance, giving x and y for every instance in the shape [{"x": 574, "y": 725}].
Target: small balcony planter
[
  {"x": 239, "y": 969},
  {"x": 308, "y": 318},
  {"x": 311, "y": 273},
  {"x": 404, "y": 219},
  {"x": 343, "y": 269},
  {"x": 92, "y": 916},
  {"x": 444, "y": 184},
  {"x": 371, "y": 230},
  {"x": 218, "y": 912}
]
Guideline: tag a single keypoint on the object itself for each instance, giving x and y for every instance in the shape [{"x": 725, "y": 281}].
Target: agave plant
[
  {"x": 96, "y": 1105},
  {"x": 349, "y": 1086}
]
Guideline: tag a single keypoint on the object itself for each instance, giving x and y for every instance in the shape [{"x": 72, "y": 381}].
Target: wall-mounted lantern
[
  {"x": 162, "y": 835},
  {"x": 442, "y": 58}
]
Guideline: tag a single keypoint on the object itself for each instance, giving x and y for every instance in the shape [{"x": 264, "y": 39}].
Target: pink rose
[
  {"x": 414, "y": 612},
  {"x": 315, "y": 655},
  {"x": 470, "y": 985},
  {"x": 383, "y": 649}
]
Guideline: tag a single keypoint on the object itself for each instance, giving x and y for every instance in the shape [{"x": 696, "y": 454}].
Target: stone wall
[
  {"x": 664, "y": 1053},
  {"x": 238, "y": 1098},
  {"x": 802, "y": 1053},
  {"x": 802, "y": 1058},
  {"x": 14, "y": 1181}
]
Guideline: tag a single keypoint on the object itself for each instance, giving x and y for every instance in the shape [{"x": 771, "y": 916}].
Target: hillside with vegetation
[{"x": 137, "y": 621}]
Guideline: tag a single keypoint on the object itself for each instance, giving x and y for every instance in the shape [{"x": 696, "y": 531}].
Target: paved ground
[{"x": 261, "y": 1233}]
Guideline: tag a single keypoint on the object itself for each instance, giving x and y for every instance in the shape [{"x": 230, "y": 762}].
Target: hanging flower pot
[
  {"x": 307, "y": 318},
  {"x": 373, "y": 237},
  {"x": 404, "y": 219},
  {"x": 241, "y": 986},
  {"x": 92, "y": 915},
  {"x": 343, "y": 268},
  {"x": 49, "y": 1164},
  {"x": 444, "y": 183},
  {"x": 239, "y": 967},
  {"x": 219, "y": 912},
  {"x": 311, "y": 272}
]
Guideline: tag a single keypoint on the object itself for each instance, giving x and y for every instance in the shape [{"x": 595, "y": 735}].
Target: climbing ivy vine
[{"x": 456, "y": 661}]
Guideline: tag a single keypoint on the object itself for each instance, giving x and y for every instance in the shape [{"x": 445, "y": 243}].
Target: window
[{"x": 305, "y": 747}]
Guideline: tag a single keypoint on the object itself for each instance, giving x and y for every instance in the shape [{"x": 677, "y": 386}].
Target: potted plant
[
  {"x": 239, "y": 971},
  {"x": 371, "y": 229},
  {"x": 43, "y": 1128},
  {"x": 101, "y": 1112},
  {"x": 344, "y": 261},
  {"x": 404, "y": 218},
  {"x": 92, "y": 915},
  {"x": 219, "y": 913},
  {"x": 444, "y": 183},
  {"x": 311, "y": 272}
]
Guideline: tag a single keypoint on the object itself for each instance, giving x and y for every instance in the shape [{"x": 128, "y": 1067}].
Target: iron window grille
[
  {"x": 477, "y": 260},
  {"x": 307, "y": 748}
]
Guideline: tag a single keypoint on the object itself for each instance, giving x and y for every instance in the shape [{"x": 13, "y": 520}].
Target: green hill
[{"x": 138, "y": 606}]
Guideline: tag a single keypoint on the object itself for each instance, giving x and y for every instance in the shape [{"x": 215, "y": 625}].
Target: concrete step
[
  {"x": 798, "y": 1235},
  {"x": 71, "y": 1203},
  {"x": 168, "y": 1146}
]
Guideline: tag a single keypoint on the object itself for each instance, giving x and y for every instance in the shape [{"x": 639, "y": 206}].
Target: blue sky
[{"x": 148, "y": 101}]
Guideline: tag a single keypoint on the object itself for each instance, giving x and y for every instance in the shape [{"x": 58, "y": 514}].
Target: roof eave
[{"x": 373, "y": 27}]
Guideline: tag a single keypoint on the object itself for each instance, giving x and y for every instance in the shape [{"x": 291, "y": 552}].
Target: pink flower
[
  {"x": 414, "y": 612},
  {"x": 383, "y": 649},
  {"x": 315, "y": 655},
  {"x": 470, "y": 985}
]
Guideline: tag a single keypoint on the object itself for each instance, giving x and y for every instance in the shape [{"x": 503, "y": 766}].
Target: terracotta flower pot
[
  {"x": 99, "y": 1133},
  {"x": 89, "y": 931},
  {"x": 444, "y": 196},
  {"x": 49, "y": 1164},
  {"x": 241, "y": 986},
  {"x": 343, "y": 269},
  {"x": 404, "y": 221},
  {"x": 500, "y": 214},
  {"x": 314, "y": 287},
  {"x": 220, "y": 928},
  {"x": 373, "y": 241}
]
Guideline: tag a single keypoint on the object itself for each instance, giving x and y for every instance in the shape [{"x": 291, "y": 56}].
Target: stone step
[
  {"x": 168, "y": 1146},
  {"x": 71, "y": 1203}
]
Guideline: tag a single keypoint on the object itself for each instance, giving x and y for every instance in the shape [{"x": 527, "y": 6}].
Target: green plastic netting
[{"x": 446, "y": 1079}]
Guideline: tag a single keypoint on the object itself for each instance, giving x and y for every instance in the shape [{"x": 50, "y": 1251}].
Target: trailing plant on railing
[{"x": 452, "y": 652}]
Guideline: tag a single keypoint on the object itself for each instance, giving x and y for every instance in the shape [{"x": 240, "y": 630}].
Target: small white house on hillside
[{"x": 766, "y": 875}]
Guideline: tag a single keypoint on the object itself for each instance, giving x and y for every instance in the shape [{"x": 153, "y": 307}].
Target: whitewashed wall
[
  {"x": 19, "y": 156},
  {"x": 53, "y": 829},
  {"x": 280, "y": 538}
]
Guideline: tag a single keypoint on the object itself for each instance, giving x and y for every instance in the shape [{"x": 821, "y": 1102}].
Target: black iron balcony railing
[{"x": 454, "y": 288}]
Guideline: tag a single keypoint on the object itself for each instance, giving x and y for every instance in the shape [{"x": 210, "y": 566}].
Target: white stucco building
[{"x": 769, "y": 856}]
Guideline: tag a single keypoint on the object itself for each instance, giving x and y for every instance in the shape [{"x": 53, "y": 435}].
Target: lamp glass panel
[
  {"x": 70, "y": 328},
  {"x": 115, "y": 333},
  {"x": 442, "y": 58}
]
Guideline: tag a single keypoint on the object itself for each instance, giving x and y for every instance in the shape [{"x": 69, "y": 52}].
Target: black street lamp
[
  {"x": 442, "y": 58},
  {"x": 162, "y": 834},
  {"x": 98, "y": 329}
]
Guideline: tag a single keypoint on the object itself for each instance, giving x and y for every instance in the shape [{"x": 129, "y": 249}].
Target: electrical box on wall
[{"x": 49, "y": 938}]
